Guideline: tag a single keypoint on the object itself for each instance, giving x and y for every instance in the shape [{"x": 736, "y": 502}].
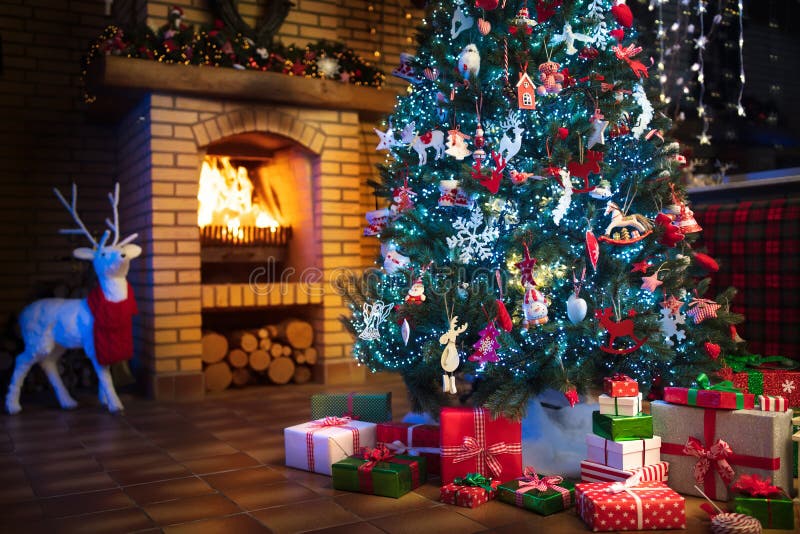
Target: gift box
[
  {"x": 412, "y": 439},
  {"x": 795, "y": 445},
  {"x": 379, "y": 472},
  {"x": 470, "y": 491},
  {"x": 612, "y": 506},
  {"x": 768, "y": 403},
  {"x": 543, "y": 495},
  {"x": 371, "y": 407},
  {"x": 473, "y": 442},
  {"x": 620, "y": 385},
  {"x": 783, "y": 383},
  {"x": 317, "y": 445},
  {"x": 723, "y": 396},
  {"x": 620, "y": 405},
  {"x": 769, "y": 504},
  {"x": 596, "y": 472},
  {"x": 708, "y": 447},
  {"x": 623, "y": 454},
  {"x": 622, "y": 427}
]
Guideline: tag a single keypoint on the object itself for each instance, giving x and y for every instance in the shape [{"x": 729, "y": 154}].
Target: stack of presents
[{"x": 712, "y": 440}]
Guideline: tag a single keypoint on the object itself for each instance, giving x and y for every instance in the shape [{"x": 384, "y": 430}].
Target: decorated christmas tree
[{"x": 536, "y": 236}]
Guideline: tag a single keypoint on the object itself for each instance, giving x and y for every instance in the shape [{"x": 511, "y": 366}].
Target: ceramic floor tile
[
  {"x": 149, "y": 457},
  {"x": 352, "y": 528},
  {"x": 216, "y": 464},
  {"x": 166, "y": 490},
  {"x": 234, "y": 524},
  {"x": 433, "y": 521},
  {"x": 370, "y": 506},
  {"x": 86, "y": 503},
  {"x": 71, "y": 483},
  {"x": 190, "y": 509},
  {"x": 244, "y": 477},
  {"x": 127, "y": 477},
  {"x": 19, "y": 492},
  {"x": 262, "y": 496},
  {"x": 300, "y": 517},
  {"x": 495, "y": 513},
  {"x": 113, "y": 522},
  {"x": 200, "y": 450}
]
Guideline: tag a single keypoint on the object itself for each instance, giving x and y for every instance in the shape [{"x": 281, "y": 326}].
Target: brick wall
[{"x": 46, "y": 139}]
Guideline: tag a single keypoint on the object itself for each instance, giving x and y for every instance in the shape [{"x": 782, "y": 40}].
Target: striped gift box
[
  {"x": 770, "y": 403},
  {"x": 595, "y": 472}
]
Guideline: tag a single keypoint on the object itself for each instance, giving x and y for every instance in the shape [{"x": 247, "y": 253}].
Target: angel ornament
[
  {"x": 374, "y": 315},
  {"x": 450, "y": 359},
  {"x": 568, "y": 37}
]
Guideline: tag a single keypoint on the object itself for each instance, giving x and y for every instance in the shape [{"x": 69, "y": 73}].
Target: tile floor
[{"x": 212, "y": 467}]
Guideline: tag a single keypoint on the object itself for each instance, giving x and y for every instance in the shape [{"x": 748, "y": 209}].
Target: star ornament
[
  {"x": 651, "y": 283},
  {"x": 598, "y": 133},
  {"x": 526, "y": 267},
  {"x": 672, "y": 304},
  {"x": 641, "y": 267}
]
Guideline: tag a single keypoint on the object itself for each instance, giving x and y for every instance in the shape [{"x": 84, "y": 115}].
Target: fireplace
[{"x": 304, "y": 157}]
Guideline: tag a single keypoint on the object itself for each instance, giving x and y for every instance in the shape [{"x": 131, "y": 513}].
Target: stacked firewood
[{"x": 276, "y": 354}]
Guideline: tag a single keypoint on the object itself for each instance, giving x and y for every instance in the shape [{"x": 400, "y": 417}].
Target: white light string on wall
[{"x": 739, "y": 107}]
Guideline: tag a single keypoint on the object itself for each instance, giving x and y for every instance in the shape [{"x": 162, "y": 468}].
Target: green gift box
[
  {"x": 772, "y": 512},
  {"x": 622, "y": 427},
  {"x": 368, "y": 407},
  {"x": 393, "y": 477},
  {"x": 545, "y": 502}
]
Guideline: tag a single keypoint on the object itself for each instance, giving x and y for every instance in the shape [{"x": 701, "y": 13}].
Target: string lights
[{"x": 739, "y": 107}]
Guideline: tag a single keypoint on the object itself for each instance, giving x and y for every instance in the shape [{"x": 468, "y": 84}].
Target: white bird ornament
[{"x": 568, "y": 37}]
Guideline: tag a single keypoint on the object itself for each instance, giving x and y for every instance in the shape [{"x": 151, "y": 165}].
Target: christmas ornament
[
  {"x": 602, "y": 191},
  {"x": 712, "y": 350},
  {"x": 420, "y": 143},
  {"x": 643, "y": 122},
  {"x": 472, "y": 241},
  {"x": 616, "y": 329},
  {"x": 551, "y": 78},
  {"x": 377, "y": 221},
  {"x": 431, "y": 73},
  {"x": 526, "y": 266},
  {"x": 488, "y": 5},
  {"x": 634, "y": 227},
  {"x": 626, "y": 54},
  {"x": 651, "y": 283},
  {"x": 702, "y": 309},
  {"x": 534, "y": 307},
  {"x": 671, "y": 321},
  {"x": 568, "y": 37},
  {"x": 588, "y": 164},
  {"x": 522, "y": 21},
  {"x": 328, "y": 66},
  {"x": 656, "y": 389},
  {"x": 588, "y": 52},
  {"x": 456, "y": 144},
  {"x": 450, "y": 359},
  {"x": 491, "y": 181},
  {"x": 566, "y": 198},
  {"x": 484, "y": 26},
  {"x": 706, "y": 262},
  {"x": 526, "y": 92},
  {"x": 508, "y": 147},
  {"x": 393, "y": 261},
  {"x": 461, "y": 22},
  {"x": 622, "y": 13},
  {"x": 503, "y": 317},
  {"x": 469, "y": 62},
  {"x": 572, "y": 396},
  {"x": 641, "y": 266},
  {"x": 599, "y": 126},
  {"x": 405, "y": 331},
  {"x": 683, "y": 218},
  {"x": 618, "y": 34},
  {"x": 479, "y": 154},
  {"x": 576, "y": 306},
  {"x": 563, "y": 133},
  {"x": 671, "y": 236},
  {"x": 387, "y": 139},
  {"x": 592, "y": 248},
  {"x": 403, "y": 198},
  {"x": 374, "y": 315},
  {"x": 519, "y": 178},
  {"x": 451, "y": 194},
  {"x": 406, "y": 70},
  {"x": 486, "y": 346},
  {"x": 416, "y": 294}
]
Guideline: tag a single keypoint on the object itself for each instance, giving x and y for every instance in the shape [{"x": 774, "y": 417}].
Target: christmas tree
[{"x": 535, "y": 237}]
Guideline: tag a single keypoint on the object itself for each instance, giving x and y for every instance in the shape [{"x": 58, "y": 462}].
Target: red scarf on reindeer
[{"x": 113, "y": 328}]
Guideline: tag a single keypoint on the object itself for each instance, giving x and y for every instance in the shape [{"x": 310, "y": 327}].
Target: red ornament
[
  {"x": 672, "y": 235},
  {"x": 618, "y": 34},
  {"x": 572, "y": 396},
  {"x": 545, "y": 9},
  {"x": 592, "y": 249},
  {"x": 706, "y": 262},
  {"x": 526, "y": 267},
  {"x": 622, "y": 14},
  {"x": 623, "y": 328},
  {"x": 487, "y": 4},
  {"x": 656, "y": 389},
  {"x": 563, "y": 133},
  {"x": 503, "y": 318},
  {"x": 590, "y": 165},
  {"x": 492, "y": 182},
  {"x": 712, "y": 349},
  {"x": 641, "y": 266},
  {"x": 588, "y": 52}
]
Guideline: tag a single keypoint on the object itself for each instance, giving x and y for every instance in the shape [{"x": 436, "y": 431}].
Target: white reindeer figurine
[
  {"x": 51, "y": 326},
  {"x": 509, "y": 148},
  {"x": 420, "y": 143},
  {"x": 450, "y": 359}
]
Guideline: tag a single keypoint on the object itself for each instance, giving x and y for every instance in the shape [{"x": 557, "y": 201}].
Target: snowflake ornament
[
  {"x": 788, "y": 386},
  {"x": 472, "y": 241},
  {"x": 671, "y": 320}
]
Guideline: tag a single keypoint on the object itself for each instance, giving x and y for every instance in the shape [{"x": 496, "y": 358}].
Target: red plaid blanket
[{"x": 757, "y": 245}]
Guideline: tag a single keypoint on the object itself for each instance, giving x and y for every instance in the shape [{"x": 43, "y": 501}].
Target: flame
[{"x": 226, "y": 199}]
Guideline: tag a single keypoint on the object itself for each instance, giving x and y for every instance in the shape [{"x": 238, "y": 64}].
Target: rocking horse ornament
[
  {"x": 623, "y": 328},
  {"x": 632, "y": 228}
]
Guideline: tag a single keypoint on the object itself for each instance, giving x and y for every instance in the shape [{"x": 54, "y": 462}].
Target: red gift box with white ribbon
[
  {"x": 412, "y": 439},
  {"x": 620, "y": 385},
  {"x": 613, "y": 506}
]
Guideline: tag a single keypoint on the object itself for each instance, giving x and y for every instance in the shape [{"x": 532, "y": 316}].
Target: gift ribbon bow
[
  {"x": 331, "y": 421},
  {"x": 398, "y": 447},
  {"x": 756, "y": 486},
  {"x": 704, "y": 382},
  {"x": 471, "y": 448},
  {"x": 328, "y": 422},
  {"x": 475, "y": 479},
  {"x": 630, "y": 487},
  {"x": 530, "y": 480},
  {"x": 381, "y": 453},
  {"x": 620, "y": 377},
  {"x": 717, "y": 453}
]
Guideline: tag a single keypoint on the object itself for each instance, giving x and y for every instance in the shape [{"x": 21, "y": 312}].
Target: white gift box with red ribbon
[
  {"x": 623, "y": 454},
  {"x": 596, "y": 472},
  {"x": 316, "y": 445},
  {"x": 769, "y": 403},
  {"x": 630, "y": 406}
]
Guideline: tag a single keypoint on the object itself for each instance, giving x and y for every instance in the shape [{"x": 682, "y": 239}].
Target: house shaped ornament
[{"x": 526, "y": 92}]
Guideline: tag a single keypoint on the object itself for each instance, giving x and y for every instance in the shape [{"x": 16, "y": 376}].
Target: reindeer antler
[
  {"x": 72, "y": 208},
  {"x": 114, "y": 200}
]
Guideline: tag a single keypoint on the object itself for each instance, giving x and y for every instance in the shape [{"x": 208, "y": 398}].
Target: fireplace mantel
[{"x": 119, "y": 82}]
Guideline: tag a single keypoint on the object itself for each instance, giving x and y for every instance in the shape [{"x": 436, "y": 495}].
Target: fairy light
[
  {"x": 701, "y": 41},
  {"x": 739, "y": 107},
  {"x": 662, "y": 36}
]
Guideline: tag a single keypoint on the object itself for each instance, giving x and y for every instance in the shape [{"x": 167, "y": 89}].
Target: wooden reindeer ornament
[
  {"x": 99, "y": 324},
  {"x": 450, "y": 359}
]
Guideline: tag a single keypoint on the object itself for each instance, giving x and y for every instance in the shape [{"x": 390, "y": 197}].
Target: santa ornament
[
  {"x": 416, "y": 294},
  {"x": 534, "y": 306}
]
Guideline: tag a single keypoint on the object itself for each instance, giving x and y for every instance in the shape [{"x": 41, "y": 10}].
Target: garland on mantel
[{"x": 219, "y": 46}]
